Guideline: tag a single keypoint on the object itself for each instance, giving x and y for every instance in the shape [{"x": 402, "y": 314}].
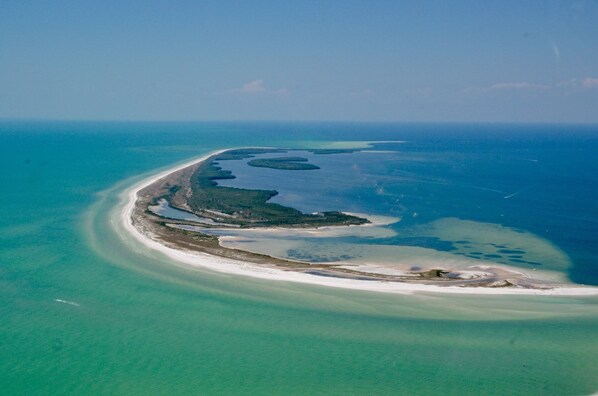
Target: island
[
  {"x": 283, "y": 163},
  {"x": 176, "y": 209}
]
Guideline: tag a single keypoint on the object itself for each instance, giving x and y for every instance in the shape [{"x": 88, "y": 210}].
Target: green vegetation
[
  {"x": 238, "y": 154},
  {"x": 283, "y": 163},
  {"x": 331, "y": 151},
  {"x": 250, "y": 207}
]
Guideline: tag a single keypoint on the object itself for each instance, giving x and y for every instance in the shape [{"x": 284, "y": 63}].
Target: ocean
[{"x": 87, "y": 311}]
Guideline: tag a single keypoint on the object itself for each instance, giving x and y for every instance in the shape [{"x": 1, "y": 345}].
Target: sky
[{"x": 405, "y": 61}]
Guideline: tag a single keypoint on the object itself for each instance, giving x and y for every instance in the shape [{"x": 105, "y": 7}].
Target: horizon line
[{"x": 273, "y": 121}]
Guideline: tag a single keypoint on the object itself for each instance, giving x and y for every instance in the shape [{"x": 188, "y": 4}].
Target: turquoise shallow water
[{"x": 144, "y": 326}]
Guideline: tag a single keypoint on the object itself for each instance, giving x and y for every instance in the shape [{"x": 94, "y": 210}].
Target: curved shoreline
[{"x": 237, "y": 267}]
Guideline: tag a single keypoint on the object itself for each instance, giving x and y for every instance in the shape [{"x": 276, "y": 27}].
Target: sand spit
[{"x": 231, "y": 266}]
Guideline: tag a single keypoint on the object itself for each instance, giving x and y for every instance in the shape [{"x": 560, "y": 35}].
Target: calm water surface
[{"x": 85, "y": 311}]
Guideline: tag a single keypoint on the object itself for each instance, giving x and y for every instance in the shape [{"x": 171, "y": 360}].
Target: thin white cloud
[
  {"x": 589, "y": 83},
  {"x": 576, "y": 85},
  {"x": 252, "y": 87},
  {"x": 518, "y": 85},
  {"x": 557, "y": 52},
  {"x": 281, "y": 91},
  {"x": 563, "y": 87},
  {"x": 258, "y": 87}
]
